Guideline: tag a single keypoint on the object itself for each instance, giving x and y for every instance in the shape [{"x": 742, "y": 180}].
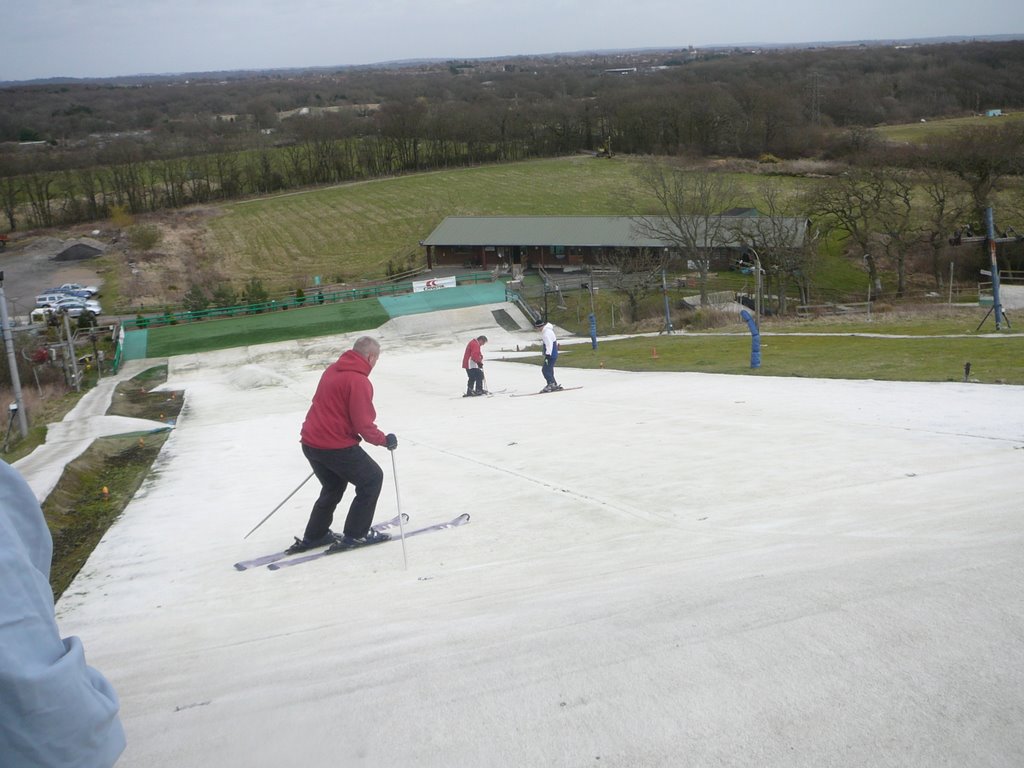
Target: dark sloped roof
[
  {"x": 539, "y": 230},
  {"x": 590, "y": 231}
]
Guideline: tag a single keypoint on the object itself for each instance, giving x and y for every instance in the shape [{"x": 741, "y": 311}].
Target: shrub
[
  {"x": 120, "y": 217},
  {"x": 254, "y": 292},
  {"x": 706, "y": 318},
  {"x": 144, "y": 237},
  {"x": 223, "y": 296},
  {"x": 86, "y": 320},
  {"x": 195, "y": 299}
]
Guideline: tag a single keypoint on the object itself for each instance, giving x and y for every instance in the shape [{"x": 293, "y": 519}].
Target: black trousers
[
  {"x": 335, "y": 469},
  {"x": 476, "y": 379}
]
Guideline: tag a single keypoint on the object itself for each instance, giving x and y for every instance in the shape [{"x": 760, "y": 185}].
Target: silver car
[
  {"x": 75, "y": 307},
  {"x": 92, "y": 290}
]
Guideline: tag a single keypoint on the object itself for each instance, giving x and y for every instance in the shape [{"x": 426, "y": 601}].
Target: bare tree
[
  {"x": 635, "y": 274},
  {"x": 38, "y": 189},
  {"x": 898, "y": 233},
  {"x": 840, "y": 205},
  {"x": 402, "y": 126},
  {"x": 872, "y": 208},
  {"x": 689, "y": 207},
  {"x": 948, "y": 202},
  {"x": 983, "y": 158},
  {"x": 782, "y": 241},
  {"x": 1014, "y": 209},
  {"x": 10, "y": 193}
]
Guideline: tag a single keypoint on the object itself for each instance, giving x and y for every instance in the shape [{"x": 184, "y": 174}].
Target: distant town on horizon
[{"x": 746, "y": 47}]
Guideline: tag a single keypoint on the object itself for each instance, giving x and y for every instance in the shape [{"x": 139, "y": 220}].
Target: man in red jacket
[
  {"x": 473, "y": 362},
  {"x": 341, "y": 416}
]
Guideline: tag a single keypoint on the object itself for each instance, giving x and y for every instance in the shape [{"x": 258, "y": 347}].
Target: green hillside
[
  {"x": 355, "y": 230},
  {"x": 925, "y": 130}
]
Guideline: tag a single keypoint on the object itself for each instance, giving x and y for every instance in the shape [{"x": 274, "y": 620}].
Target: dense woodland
[{"x": 75, "y": 150}]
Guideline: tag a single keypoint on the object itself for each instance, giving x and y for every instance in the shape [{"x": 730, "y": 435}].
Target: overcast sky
[{"x": 104, "y": 38}]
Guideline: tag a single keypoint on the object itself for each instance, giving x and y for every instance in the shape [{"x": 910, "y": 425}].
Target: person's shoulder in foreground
[{"x": 55, "y": 710}]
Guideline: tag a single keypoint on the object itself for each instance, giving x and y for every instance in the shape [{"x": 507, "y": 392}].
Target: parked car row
[
  {"x": 70, "y": 298},
  {"x": 75, "y": 289}
]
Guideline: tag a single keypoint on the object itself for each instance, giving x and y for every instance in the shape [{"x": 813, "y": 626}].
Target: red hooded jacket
[
  {"x": 342, "y": 410},
  {"x": 472, "y": 353}
]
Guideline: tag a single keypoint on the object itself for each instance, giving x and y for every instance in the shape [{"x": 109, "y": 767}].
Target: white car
[
  {"x": 75, "y": 307},
  {"x": 50, "y": 298}
]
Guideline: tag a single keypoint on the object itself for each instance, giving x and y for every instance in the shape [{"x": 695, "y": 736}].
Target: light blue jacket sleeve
[{"x": 55, "y": 710}]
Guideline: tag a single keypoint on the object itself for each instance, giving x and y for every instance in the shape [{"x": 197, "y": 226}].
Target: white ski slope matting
[{"x": 661, "y": 570}]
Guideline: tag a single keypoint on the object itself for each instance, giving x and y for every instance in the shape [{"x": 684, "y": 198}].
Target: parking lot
[{"x": 30, "y": 268}]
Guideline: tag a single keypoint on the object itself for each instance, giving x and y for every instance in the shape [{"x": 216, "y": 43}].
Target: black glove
[
  {"x": 391, "y": 442},
  {"x": 480, "y": 364},
  {"x": 547, "y": 359}
]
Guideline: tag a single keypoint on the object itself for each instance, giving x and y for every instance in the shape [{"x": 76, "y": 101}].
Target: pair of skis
[
  {"x": 543, "y": 392},
  {"x": 527, "y": 394},
  {"x": 488, "y": 393},
  {"x": 283, "y": 559}
]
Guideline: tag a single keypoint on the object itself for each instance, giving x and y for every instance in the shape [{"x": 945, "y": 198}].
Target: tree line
[
  {"x": 153, "y": 143},
  {"x": 901, "y": 212}
]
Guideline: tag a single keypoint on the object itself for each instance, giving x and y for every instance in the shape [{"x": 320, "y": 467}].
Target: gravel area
[{"x": 30, "y": 266}]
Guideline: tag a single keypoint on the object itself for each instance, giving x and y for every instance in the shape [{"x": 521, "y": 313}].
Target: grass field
[
  {"x": 927, "y": 343},
  {"x": 923, "y": 131},
  {"x": 353, "y": 231},
  {"x": 920, "y": 358}
]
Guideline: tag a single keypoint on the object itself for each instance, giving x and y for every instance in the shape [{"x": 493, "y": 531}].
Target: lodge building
[{"x": 571, "y": 242}]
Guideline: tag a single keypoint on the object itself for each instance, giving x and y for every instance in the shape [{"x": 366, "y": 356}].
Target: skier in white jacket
[
  {"x": 547, "y": 337},
  {"x": 55, "y": 710}
]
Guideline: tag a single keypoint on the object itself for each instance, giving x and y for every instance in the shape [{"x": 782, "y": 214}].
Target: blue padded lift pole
[{"x": 755, "y": 339}]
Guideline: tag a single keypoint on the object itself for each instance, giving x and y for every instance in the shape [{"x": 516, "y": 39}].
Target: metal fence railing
[{"x": 284, "y": 303}]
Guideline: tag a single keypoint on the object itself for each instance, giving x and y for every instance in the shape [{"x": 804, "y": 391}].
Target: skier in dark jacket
[
  {"x": 473, "y": 362},
  {"x": 341, "y": 416}
]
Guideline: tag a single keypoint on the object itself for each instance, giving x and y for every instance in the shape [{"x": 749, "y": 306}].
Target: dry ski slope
[{"x": 660, "y": 570}]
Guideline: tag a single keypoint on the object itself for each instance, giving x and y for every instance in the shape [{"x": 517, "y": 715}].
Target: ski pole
[
  {"x": 398, "y": 501},
  {"x": 261, "y": 522}
]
